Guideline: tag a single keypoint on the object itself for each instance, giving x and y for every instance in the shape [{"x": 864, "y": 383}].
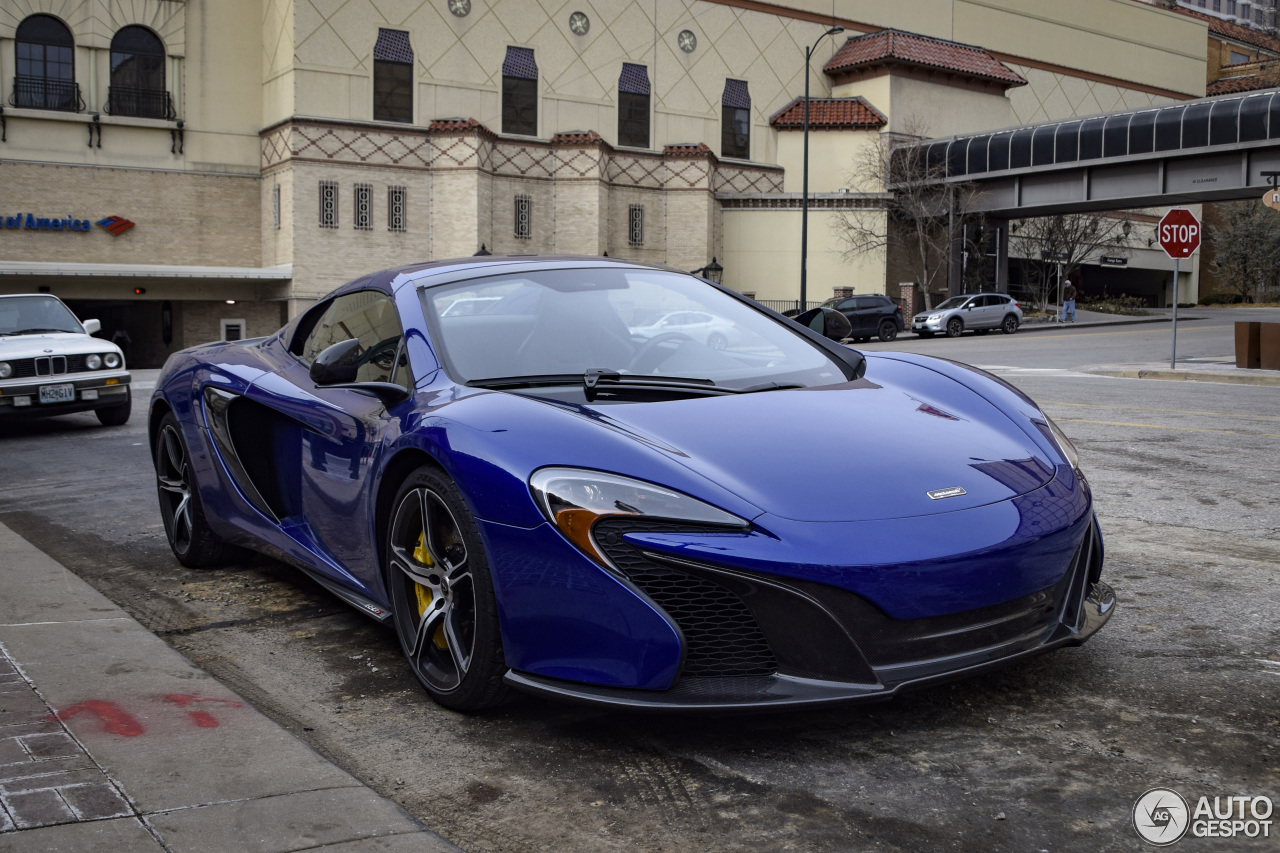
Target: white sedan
[
  {"x": 51, "y": 365},
  {"x": 716, "y": 332}
]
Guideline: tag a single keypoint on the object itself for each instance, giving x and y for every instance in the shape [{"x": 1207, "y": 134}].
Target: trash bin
[
  {"x": 1269, "y": 346},
  {"x": 1247, "y": 353}
]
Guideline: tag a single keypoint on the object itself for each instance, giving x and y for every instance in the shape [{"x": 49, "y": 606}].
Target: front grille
[
  {"x": 48, "y": 365},
  {"x": 721, "y": 636}
]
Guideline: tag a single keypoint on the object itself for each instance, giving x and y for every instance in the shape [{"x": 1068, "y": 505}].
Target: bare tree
[
  {"x": 906, "y": 209},
  {"x": 1246, "y": 249},
  {"x": 1071, "y": 239}
]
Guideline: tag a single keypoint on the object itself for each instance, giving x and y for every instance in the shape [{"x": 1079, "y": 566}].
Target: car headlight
[
  {"x": 933, "y": 317},
  {"x": 93, "y": 362},
  {"x": 574, "y": 499},
  {"x": 1064, "y": 444},
  {"x": 112, "y": 360},
  {"x": 6, "y": 370}
]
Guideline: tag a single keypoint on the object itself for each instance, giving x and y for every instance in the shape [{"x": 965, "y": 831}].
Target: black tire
[
  {"x": 193, "y": 542},
  {"x": 434, "y": 554},
  {"x": 1010, "y": 324},
  {"x": 117, "y": 415},
  {"x": 888, "y": 331},
  {"x": 717, "y": 341},
  {"x": 954, "y": 327}
]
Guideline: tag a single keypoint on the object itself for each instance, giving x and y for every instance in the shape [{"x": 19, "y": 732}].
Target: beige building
[{"x": 206, "y": 168}]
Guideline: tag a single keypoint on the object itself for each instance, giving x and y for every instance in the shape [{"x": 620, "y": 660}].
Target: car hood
[
  {"x": 61, "y": 343},
  {"x": 861, "y": 451}
]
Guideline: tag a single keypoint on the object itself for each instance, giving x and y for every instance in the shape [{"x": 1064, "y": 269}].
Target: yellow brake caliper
[{"x": 422, "y": 593}]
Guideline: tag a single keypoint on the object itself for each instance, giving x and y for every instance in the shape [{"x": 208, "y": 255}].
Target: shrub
[
  {"x": 1221, "y": 299},
  {"x": 1130, "y": 305}
]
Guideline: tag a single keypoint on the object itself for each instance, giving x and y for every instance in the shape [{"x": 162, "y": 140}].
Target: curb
[
  {"x": 1257, "y": 379},
  {"x": 1046, "y": 327}
]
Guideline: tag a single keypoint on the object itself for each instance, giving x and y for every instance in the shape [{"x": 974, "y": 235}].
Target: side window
[
  {"x": 862, "y": 303},
  {"x": 369, "y": 317},
  {"x": 847, "y": 305}
]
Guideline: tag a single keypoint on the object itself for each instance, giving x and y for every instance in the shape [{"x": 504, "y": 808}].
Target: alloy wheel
[
  {"x": 173, "y": 479},
  {"x": 434, "y": 589}
]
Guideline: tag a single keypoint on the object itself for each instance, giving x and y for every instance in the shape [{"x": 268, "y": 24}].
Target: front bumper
[
  {"x": 918, "y": 325},
  {"x": 781, "y": 692},
  {"x": 92, "y": 391},
  {"x": 757, "y": 642}
]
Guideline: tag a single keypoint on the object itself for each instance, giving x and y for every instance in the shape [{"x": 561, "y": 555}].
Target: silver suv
[
  {"x": 980, "y": 312},
  {"x": 50, "y": 364}
]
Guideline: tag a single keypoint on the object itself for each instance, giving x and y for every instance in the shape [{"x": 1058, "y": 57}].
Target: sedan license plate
[{"x": 58, "y": 393}]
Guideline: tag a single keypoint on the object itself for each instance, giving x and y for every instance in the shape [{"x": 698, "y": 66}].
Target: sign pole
[
  {"x": 1058, "y": 319},
  {"x": 1173, "y": 354}
]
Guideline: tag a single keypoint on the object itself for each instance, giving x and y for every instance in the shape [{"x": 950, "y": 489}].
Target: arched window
[
  {"x": 137, "y": 75},
  {"x": 46, "y": 66}
]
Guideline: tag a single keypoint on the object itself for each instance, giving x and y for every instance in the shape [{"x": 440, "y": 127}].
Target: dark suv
[{"x": 870, "y": 315}]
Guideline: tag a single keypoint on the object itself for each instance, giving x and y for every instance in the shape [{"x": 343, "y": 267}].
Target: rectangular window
[
  {"x": 275, "y": 206},
  {"x": 397, "y": 216},
  {"x": 635, "y": 225},
  {"x": 735, "y": 127},
  {"x": 233, "y": 330},
  {"x": 393, "y": 77},
  {"x": 633, "y": 106},
  {"x": 328, "y": 204},
  {"x": 524, "y": 217},
  {"x": 520, "y": 92},
  {"x": 364, "y": 207}
]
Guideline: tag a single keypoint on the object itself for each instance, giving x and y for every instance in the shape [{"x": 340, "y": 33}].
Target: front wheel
[
  {"x": 1010, "y": 324},
  {"x": 954, "y": 327},
  {"x": 442, "y": 598},
  {"x": 717, "y": 341},
  {"x": 117, "y": 415},
  {"x": 888, "y": 330}
]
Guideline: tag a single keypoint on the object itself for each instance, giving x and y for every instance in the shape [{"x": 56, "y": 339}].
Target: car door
[
  {"x": 330, "y": 437},
  {"x": 864, "y": 316}
]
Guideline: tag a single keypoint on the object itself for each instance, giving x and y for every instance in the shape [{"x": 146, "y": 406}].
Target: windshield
[
  {"x": 30, "y": 314},
  {"x": 632, "y": 321},
  {"x": 953, "y": 302}
]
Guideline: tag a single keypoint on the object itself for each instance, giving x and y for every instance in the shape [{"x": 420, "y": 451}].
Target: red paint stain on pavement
[
  {"x": 201, "y": 718},
  {"x": 110, "y": 716}
]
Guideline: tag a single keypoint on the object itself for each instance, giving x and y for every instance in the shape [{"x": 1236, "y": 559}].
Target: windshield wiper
[
  {"x": 32, "y": 331},
  {"x": 596, "y": 380}
]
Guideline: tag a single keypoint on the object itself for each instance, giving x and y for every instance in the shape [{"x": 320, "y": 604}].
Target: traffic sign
[
  {"x": 1271, "y": 198},
  {"x": 1179, "y": 233}
]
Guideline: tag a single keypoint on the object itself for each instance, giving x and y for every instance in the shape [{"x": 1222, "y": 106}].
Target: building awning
[{"x": 57, "y": 269}]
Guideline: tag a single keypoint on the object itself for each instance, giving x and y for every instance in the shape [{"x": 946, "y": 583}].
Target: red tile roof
[
  {"x": 894, "y": 47},
  {"x": 687, "y": 149},
  {"x": 1232, "y": 30},
  {"x": 455, "y": 124},
  {"x": 1252, "y": 83},
  {"x": 828, "y": 114},
  {"x": 576, "y": 137}
]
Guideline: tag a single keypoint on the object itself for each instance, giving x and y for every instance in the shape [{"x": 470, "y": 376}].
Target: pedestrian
[{"x": 1068, "y": 301}]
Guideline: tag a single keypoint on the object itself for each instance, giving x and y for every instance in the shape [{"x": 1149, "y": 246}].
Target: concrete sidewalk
[
  {"x": 1087, "y": 319},
  {"x": 110, "y": 740}
]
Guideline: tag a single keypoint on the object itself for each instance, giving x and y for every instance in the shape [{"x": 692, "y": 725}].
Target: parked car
[
  {"x": 536, "y": 500},
  {"x": 870, "y": 315},
  {"x": 716, "y": 332},
  {"x": 979, "y": 312},
  {"x": 50, "y": 364}
]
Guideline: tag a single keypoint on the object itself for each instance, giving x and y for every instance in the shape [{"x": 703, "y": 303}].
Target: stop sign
[{"x": 1179, "y": 233}]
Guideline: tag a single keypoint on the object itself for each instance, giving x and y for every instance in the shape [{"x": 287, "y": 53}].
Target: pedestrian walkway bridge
[{"x": 1213, "y": 149}]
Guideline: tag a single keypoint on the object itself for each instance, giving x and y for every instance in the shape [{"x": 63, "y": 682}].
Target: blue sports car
[{"x": 539, "y": 498}]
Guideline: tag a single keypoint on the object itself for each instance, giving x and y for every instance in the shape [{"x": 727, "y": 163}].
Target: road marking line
[
  {"x": 1170, "y": 411},
  {"x": 1179, "y": 429}
]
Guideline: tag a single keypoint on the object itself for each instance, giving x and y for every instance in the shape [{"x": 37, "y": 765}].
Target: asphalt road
[{"x": 1180, "y": 690}]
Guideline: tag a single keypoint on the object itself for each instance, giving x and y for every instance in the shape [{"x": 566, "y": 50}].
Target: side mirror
[
  {"x": 337, "y": 367},
  {"x": 92, "y": 327},
  {"x": 827, "y": 322}
]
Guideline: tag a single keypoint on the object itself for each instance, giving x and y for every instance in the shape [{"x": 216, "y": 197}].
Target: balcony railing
[
  {"x": 139, "y": 103},
  {"x": 45, "y": 93}
]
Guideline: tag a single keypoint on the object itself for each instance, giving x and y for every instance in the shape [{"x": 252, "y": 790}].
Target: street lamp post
[{"x": 804, "y": 195}]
